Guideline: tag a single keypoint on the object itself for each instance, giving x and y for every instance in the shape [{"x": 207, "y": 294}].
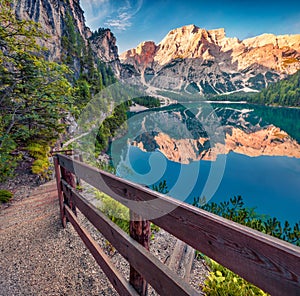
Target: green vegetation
[
  {"x": 99, "y": 33},
  {"x": 161, "y": 187},
  {"x": 147, "y": 101},
  {"x": 236, "y": 97},
  {"x": 223, "y": 281},
  {"x": 113, "y": 123},
  {"x": 285, "y": 92},
  {"x": 5, "y": 196},
  {"x": 282, "y": 93},
  {"x": 114, "y": 210},
  {"x": 34, "y": 93},
  {"x": 91, "y": 74},
  {"x": 8, "y": 158},
  {"x": 40, "y": 152},
  {"x": 235, "y": 210}
]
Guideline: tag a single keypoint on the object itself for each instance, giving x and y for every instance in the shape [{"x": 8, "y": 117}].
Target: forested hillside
[
  {"x": 37, "y": 95},
  {"x": 282, "y": 93}
]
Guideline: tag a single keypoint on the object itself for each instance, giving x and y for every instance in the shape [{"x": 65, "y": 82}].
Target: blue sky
[{"x": 135, "y": 21}]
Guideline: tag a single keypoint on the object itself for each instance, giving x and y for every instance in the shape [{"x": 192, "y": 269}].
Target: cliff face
[
  {"x": 105, "y": 47},
  {"x": 52, "y": 15},
  {"x": 197, "y": 60}
]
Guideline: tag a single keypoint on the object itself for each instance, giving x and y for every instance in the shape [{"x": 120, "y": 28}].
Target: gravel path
[{"x": 39, "y": 257}]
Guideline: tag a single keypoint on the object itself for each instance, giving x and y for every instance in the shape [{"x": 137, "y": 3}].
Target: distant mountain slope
[{"x": 195, "y": 60}]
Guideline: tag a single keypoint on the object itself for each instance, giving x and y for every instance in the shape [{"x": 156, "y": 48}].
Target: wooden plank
[
  {"x": 181, "y": 259},
  {"x": 161, "y": 278},
  {"x": 114, "y": 276},
  {"x": 139, "y": 230},
  {"x": 66, "y": 152},
  {"x": 139, "y": 199},
  {"x": 270, "y": 263},
  {"x": 60, "y": 193}
]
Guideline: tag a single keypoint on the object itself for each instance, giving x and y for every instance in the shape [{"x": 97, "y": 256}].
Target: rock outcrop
[
  {"x": 206, "y": 61},
  {"x": 267, "y": 141},
  {"x": 54, "y": 15},
  {"x": 105, "y": 47},
  {"x": 51, "y": 15}
]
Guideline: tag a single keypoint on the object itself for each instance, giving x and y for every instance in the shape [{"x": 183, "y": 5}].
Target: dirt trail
[{"x": 39, "y": 257}]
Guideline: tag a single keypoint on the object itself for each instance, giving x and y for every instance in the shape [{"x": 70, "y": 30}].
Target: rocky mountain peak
[
  {"x": 104, "y": 44},
  {"x": 146, "y": 47},
  {"x": 217, "y": 34},
  {"x": 140, "y": 56},
  {"x": 183, "y": 31},
  {"x": 280, "y": 41},
  {"x": 206, "y": 61}
]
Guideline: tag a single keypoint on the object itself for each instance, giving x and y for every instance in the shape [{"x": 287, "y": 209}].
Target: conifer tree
[{"x": 34, "y": 93}]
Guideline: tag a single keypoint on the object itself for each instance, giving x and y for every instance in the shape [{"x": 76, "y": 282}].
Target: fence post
[
  {"x": 139, "y": 230},
  {"x": 70, "y": 179},
  {"x": 60, "y": 192},
  {"x": 78, "y": 157}
]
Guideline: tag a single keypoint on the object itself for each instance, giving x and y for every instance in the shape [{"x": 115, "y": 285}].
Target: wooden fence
[{"x": 267, "y": 262}]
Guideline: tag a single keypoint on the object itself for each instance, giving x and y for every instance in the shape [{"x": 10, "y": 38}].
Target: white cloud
[
  {"x": 121, "y": 22},
  {"x": 116, "y": 15},
  {"x": 96, "y": 11}
]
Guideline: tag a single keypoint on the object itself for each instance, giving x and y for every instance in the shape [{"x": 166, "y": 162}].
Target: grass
[{"x": 5, "y": 196}]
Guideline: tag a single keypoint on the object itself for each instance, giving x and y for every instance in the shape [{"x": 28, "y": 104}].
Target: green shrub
[
  {"x": 114, "y": 210},
  {"x": 41, "y": 163},
  {"x": 235, "y": 210},
  {"x": 118, "y": 213},
  {"x": 38, "y": 150},
  {"x": 5, "y": 196},
  {"x": 40, "y": 166},
  {"x": 223, "y": 282},
  {"x": 8, "y": 161}
]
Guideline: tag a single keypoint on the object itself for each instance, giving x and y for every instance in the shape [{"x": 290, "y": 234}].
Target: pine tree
[{"x": 34, "y": 93}]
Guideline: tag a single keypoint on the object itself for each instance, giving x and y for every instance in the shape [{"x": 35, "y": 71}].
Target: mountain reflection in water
[{"x": 269, "y": 183}]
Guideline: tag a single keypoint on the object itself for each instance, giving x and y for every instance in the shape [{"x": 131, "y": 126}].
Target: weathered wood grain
[
  {"x": 59, "y": 190},
  {"x": 139, "y": 230},
  {"x": 161, "y": 278},
  {"x": 270, "y": 263},
  {"x": 114, "y": 276}
]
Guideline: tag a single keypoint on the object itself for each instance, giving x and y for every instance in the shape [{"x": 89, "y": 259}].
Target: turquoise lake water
[{"x": 271, "y": 184}]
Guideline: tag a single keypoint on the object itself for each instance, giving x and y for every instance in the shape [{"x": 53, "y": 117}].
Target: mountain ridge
[{"x": 192, "y": 59}]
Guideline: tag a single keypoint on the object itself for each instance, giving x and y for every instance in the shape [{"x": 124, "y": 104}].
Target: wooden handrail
[
  {"x": 120, "y": 283},
  {"x": 270, "y": 263},
  {"x": 65, "y": 151},
  {"x": 165, "y": 281}
]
